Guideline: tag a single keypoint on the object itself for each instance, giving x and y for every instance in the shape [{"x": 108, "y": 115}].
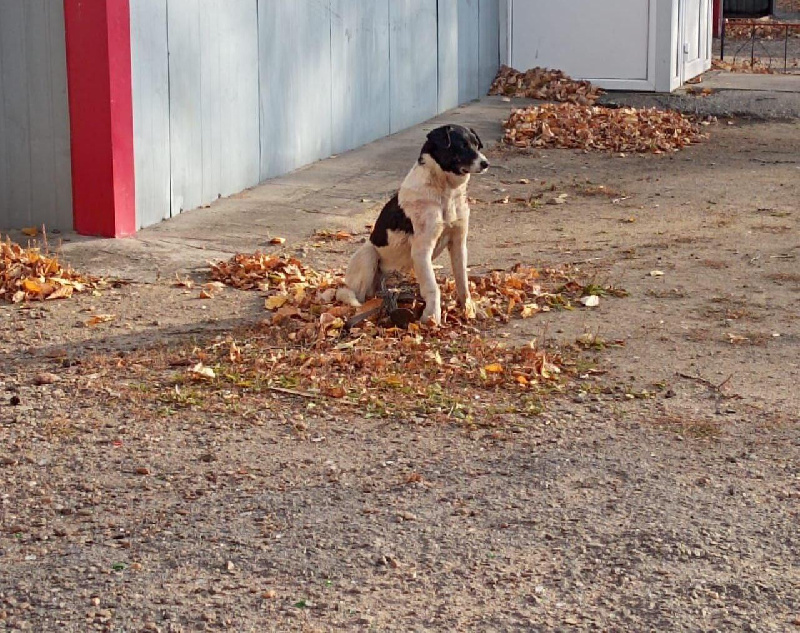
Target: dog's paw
[
  {"x": 470, "y": 309},
  {"x": 431, "y": 317}
]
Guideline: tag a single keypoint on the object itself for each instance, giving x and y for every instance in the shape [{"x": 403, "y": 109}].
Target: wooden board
[
  {"x": 151, "y": 143},
  {"x": 361, "y": 107},
  {"x": 35, "y": 182},
  {"x": 413, "y": 63},
  {"x": 295, "y": 80},
  {"x": 213, "y": 80}
]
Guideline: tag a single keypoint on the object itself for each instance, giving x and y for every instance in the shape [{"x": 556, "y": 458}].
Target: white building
[{"x": 649, "y": 45}]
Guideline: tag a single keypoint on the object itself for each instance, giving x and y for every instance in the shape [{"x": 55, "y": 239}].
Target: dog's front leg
[
  {"x": 422, "y": 257},
  {"x": 458, "y": 261}
]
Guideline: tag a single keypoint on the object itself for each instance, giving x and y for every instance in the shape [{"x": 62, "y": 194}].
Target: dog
[{"x": 428, "y": 214}]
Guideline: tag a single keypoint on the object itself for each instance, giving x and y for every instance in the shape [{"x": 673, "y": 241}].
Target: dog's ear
[
  {"x": 441, "y": 136},
  {"x": 480, "y": 144}
]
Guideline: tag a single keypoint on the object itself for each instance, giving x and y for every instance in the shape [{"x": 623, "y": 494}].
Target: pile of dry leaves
[
  {"x": 541, "y": 83},
  {"x": 598, "y": 128},
  {"x": 742, "y": 66},
  {"x": 28, "y": 273},
  {"x": 311, "y": 346}
]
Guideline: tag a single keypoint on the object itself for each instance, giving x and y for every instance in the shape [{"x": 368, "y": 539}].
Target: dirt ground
[{"x": 660, "y": 495}]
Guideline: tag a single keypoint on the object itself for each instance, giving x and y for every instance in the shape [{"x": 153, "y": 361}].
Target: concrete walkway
[
  {"x": 721, "y": 80},
  {"x": 737, "y": 95},
  {"x": 326, "y": 194}
]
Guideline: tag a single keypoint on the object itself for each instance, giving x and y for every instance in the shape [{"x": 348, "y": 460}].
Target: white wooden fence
[
  {"x": 228, "y": 93},
  {"x": 35, "y": 174}
]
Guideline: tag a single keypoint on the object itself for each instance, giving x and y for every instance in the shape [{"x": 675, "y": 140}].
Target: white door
[
  {"x": 695, "y": 45},
  {"x": 612, "y": 43}
]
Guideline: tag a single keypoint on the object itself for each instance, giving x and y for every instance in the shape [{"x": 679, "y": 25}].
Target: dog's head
[{"x": 456, "y": 149}]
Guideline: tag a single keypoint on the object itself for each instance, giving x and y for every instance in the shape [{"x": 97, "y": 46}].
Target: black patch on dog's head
[{"x": 454, "y": 148}]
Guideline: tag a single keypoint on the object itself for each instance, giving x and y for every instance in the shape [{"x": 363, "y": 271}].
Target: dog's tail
[{"x": 361, "y": 277}]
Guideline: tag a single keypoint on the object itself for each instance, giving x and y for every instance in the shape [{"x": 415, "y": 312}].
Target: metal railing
[{"x": 765, "y": 27}]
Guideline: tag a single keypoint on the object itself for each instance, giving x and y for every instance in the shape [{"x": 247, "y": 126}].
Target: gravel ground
[{"x": 661, "y": 493}]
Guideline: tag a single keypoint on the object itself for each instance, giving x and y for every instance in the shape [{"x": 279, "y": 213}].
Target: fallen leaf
[
  {"x": 276, "y": 301},
  {"x": 31, "y": 231},
  {"x": 101, "y": 318},
  {"x": 278, "y": 240},
  {"x": 494, "y": 368},
  {"x": 591, "y": 301},
  {"x": 32, "y": 286},
  {"x": 201, "y": 371}
]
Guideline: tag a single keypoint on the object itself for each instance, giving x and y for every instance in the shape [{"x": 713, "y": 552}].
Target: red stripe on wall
[{"x": 101, "y": 116}]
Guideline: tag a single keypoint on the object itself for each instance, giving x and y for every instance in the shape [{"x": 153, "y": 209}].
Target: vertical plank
[
  {"x": 16, "y": 197},
  {"x": 504, "y": 7},
  {"x": 214, "y": 103},
  {"x": 361, "y": 109},
  {"x": 62, "y": 218},
  {"x": 489, "y": 43},
  {"x": 40, "y": 114},
  {"x": 239, "y": 142},
  {"x": 210, "y": 95},
  {"x": 185, "y": 114},
  {"x": 449, "y": 74},
  {"x": 151, "y": 107},
  {"x": 469, "y": 41},
  {"x": 413, "y": 63},
  {"x": 35, "y": 184},
  {"x": 295, "y": 80},
  {"x": 4, "y": 185}
]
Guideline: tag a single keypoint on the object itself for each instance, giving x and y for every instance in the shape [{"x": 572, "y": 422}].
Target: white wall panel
[
  {"x": 150, "y": 75},
  {"x": 213, "y": 104},
  {"x": 413, "y": 64},
  {"x": 295, "y": 72},
  {"x": 231, "y": 92},
  {"x": 360, "y": 100},
  {"x": 611, "y": 43},
  {"x": 35, "y": 174}
]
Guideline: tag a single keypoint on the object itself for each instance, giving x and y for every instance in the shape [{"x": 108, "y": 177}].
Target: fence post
[{"x": 98, "y": 38}]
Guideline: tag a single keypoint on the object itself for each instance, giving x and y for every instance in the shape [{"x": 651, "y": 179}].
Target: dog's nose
[{"x": 484, "y": 164}]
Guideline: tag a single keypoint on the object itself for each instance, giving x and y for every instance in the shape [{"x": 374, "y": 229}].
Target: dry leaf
[
  {"x": 201, "y": 371},
  {"x": 234, "y": 353},
  {"x": 101, "y": 318},
  {"x": 278, "y": 240},
  {"x": 494, "y": 368},
  {"x": 32, "y": 231},
  {"x": 276, "y": 301}
]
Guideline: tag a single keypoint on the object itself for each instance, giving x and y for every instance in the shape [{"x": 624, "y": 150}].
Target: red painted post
[
  {"x": 717, "y": 18},
  {"x": 101, "y": 116}
]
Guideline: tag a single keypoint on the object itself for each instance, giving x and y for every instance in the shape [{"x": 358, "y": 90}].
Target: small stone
[
  {"x": 142, "y": 470},
  {"x": 231, "y": 567},
  {"x": 45, "y": 378},
  {"x": 269, "y": 594},
  {"x": 14, "y": 401}
]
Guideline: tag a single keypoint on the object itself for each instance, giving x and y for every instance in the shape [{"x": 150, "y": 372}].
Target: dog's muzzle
[{"x": 479, "y": 165}]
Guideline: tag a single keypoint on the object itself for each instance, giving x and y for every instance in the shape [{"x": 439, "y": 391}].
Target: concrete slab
[
  {"x": 721, "y": 80},
  {"x": 328, "y": 194}
]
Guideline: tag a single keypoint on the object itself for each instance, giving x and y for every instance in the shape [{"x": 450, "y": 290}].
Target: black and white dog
[{"x": 428, "y": 213}]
